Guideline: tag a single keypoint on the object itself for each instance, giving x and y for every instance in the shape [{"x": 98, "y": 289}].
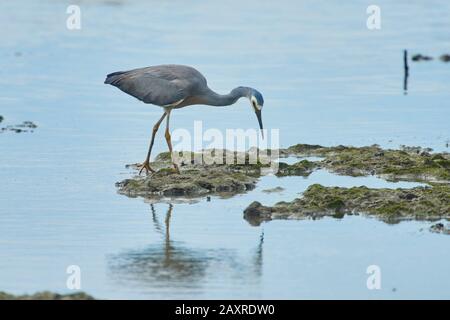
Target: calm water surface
[{"x": 326, "y": 79}]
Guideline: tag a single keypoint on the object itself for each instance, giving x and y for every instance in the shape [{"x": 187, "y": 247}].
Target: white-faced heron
[{"x": 174, "y": 87}]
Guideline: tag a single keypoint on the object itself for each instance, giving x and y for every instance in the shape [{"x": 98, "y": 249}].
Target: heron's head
[{"x": 257, "y": 101}]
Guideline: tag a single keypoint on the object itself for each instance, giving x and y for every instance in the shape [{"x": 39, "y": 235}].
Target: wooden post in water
[{"x": 406, "y": 71}]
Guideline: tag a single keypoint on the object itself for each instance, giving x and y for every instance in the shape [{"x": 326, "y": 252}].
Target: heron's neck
[{"x": 215, "y": 99}]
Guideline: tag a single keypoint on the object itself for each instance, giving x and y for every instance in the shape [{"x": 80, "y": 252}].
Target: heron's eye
[{"x": 254, "y": 104}]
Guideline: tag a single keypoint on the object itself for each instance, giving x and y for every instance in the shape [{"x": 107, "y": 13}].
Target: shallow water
[{"x": 326, "y": 79}]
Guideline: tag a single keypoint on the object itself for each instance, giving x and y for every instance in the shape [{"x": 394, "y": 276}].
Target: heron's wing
[
  {"x": 161, "y": 85},
  {"x": 185, "y": 75},
  {"x": 147, "y": 87}
]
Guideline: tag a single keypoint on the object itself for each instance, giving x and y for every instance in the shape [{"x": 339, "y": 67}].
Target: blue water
[{"x": 326, "y": 79}]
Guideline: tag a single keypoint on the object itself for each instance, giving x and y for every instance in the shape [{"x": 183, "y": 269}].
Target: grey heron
[{"x": 174, "y": 87}]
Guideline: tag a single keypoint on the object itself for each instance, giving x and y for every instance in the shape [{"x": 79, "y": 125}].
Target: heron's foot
[
  {"x": 175, "y": 168},
  {"x": 145, "y": 166}
]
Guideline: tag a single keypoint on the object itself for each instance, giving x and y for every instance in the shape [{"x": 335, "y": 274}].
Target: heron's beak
[{"x": 258, "y": 115}]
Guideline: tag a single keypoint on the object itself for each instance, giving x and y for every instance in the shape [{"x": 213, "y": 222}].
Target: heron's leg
[
  {"x": 169, "y": 142},
  {"x": 146, "y": 164}
]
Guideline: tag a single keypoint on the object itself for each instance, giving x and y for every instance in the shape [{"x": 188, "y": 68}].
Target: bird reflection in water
[{"x": 172, "y": 264}]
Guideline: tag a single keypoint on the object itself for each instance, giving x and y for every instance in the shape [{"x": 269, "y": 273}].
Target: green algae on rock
[
  {"x": 194, "y": 180},
  {"x": 46, "y": 295},
  {"x": 409, "y": 163},
  {"x": 301, "y": 168},
  {"x": 239, "y": 175},
  {"x": 390, "y": 205}
]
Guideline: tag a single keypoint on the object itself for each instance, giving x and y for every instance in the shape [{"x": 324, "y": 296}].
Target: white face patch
[{"x": 255, "y": 103}]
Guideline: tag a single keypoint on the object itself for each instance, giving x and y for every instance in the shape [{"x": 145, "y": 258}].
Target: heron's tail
[{"x": 110, "y": 78}]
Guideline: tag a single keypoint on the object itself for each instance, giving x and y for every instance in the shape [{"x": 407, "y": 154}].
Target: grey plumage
[
  {"x": 166, "y": 85},
  {"x": 176, "y": 86},
  {"x": 160, "y": 85}
]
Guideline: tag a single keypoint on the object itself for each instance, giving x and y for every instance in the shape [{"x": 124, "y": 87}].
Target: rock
[
  {"x": 303, "y": 149},
  {"x": 256, "y": 213},
  {"x": 423, "y": 203},
  {"x": 408, "y": 196},
  {"x": 23, "y": 127},
  {"x": 409, "y": 163},
  {"x": 420, "y": 57},
  {"x": 414, "y": 149},
  {"x": 445, "y": 58},
  {"x": 273, "y": 190},
  {"x": 301, "y": 168},
  {"x": 440, "y": 228},
  {"x": 46, "y": 295},
  {"x": 27, "y": 124},
  {"x": 194, "y": 180},
  {"x": 198, "y": 180}
]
